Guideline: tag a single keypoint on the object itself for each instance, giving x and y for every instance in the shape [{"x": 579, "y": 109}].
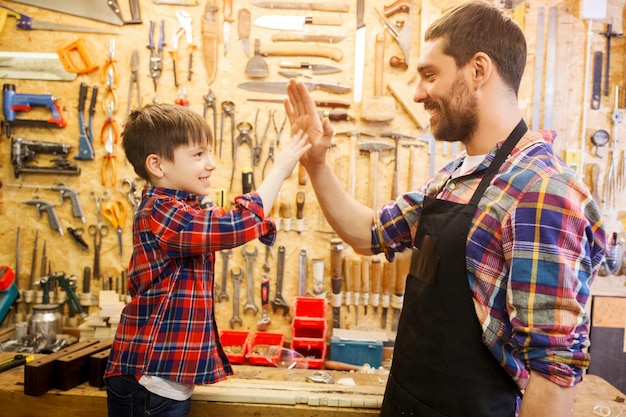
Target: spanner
[
  {"x": 237, "y": 277},
  {"x": 249, "y": 258},
  {"x": 279, "y": 301},
  {"x": 265, "y": 320},
  {"x": 225, "y": 253}
]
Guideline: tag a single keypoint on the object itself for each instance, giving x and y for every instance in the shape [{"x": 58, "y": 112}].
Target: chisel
[
  {"x": 336, "y": 249},
  {"x": 347, "y": 278},
  {"x": 356, "y": 286},
  {"x": 403, "y": 265},
  {"x": 389, "y": 279},
  {"x": 365, "y": 282},
  {"x": 377, "y": 272}
]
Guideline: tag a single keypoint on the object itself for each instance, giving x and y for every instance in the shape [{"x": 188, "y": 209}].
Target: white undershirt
[
  {"x": 166, "y": 388},
  {"x": 469, "y": 163}
]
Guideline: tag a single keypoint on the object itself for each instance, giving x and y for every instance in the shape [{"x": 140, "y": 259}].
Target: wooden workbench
[{"x": 263, "y": 392}]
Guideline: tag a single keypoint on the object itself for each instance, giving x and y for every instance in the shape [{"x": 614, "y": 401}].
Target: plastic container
[
  {"x": 235, "y": 344},
  {"x": 263, "y": 339},
  {"x": 314, "y": 350},
  {"x": 8, "y": 291},
  {"x": 357, "y": 352},
  {"x": 309, "y": 318}
]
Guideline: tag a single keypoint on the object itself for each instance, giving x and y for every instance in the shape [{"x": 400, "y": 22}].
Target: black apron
[{"x": 440, "y": 365}]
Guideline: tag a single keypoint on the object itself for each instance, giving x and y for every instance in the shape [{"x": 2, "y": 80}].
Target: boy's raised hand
[
  {"x": 290, "y": 154},
  {"x": 302, "y": 114}
]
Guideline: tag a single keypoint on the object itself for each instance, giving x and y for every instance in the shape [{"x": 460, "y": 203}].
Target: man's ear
[
  {"x": 153, "y": 165},
  {"x": 482, "y": 68}
]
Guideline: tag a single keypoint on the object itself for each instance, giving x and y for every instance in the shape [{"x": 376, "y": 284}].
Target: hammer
[
  {"x": 397, "y": 137},
  {"x": 374, "y": 148}
]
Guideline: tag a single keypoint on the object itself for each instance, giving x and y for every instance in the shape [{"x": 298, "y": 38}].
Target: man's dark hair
[{"x": 478, "y": 26}]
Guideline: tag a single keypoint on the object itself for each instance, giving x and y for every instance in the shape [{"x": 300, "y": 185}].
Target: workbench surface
[{"x": 263, "y": 392}]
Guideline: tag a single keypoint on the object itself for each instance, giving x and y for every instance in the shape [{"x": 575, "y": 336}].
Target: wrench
[
  {"x": 249, "y": 258},
  {"x": 223, "y": 295},
  {"x": 265, "y": 320},
  {"x": 279, "y": 301},
  {"x": 237, "y": 277}
]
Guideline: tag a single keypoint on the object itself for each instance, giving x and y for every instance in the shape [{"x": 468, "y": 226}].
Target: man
[{"x": 505, "y": 240}]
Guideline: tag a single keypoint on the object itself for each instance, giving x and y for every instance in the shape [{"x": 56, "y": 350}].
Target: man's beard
[{"x": 456, "y": 118}]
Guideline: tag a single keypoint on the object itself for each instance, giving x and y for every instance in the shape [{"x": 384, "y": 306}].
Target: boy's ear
[{"x": 153, "y": 166}]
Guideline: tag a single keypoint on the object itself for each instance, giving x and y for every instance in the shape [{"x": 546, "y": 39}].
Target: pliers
[
  {"x": 134, "y": 79},
  {"x": 209, "y": 101},
  {"x": 110, "y": 95},
  {"x": 156, "y": 52},
  {"x": 258, "y": 144},
  {"x": 110, "y": 64}
]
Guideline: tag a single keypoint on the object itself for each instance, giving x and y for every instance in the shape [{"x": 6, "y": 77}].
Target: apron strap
[{"x": 498, "y": 160}]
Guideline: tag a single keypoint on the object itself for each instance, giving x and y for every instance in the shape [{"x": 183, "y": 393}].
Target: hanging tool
[
  {"x": 236, "y": 275},
  {"x": 401, "y": 35},
  {"x": 330, "y": 6},
  {"x": 356, "y": 285},
  {"x": 243, "y": 137},
  {"x": 41, "y": 206},
  {"x": 376, "y": 276},
  {"x": 26, "y": 22},
  {"x": 223, "y": 294},
  {"x": 397, "y": 137},
  {"x": 69, "y": 54},
  {"x": 101, "y": 11},
  {"x": 610, "y": 182},
  {"x": 300, "y": 222},
  {"x": 110, "y": 64},
  {"x": 115, "y": 212},
  {"x": 278, "y": 130},
  {"x": 209, "y": 102},
  {"x": 379, "y": 107},
  {"x": 374, "y": 149},
  {"x": 600, "y": 138},
  {"x": 12, "y": 103},
  {"x": 77, "y": 236},
  {"x": 109, "y": 97},
  {"x": 228, "y": 21},
  {"x": 156, "y": 52},
  {"x": 265, "y": 320},
  {"x": 269, "y": 158},
  {"x": 243, "y": 29},
  {"x": 302, "y": 272},
  {"x": 365, "y": 282},
  {"x": 210, "y": 38},
  {"x": 336, "y": 278},
  {"x": 359, "y": 52},
  {"x": 23, "y": 151},
  {"x": 85, "y": 143},
  {"x": 607, "y": 64},
  {"x": 389, "y": 280},
  {"x": 92, "y": 112},
  {"x": 134, "y": 79},
  {"x": 109, "y": 136},
  {"x": 296, "y": 23},
  {"x": 258, "y": 143},
  {"x": 184, "y": 20},
  {"x": 228, "y": 110},
  {"x": 403, "y": 264},
  {"x": 66, "y": 192},
  {"x": 98, "y": 231},
  {"x": 279, "y": 301},
  {"x": 182, "y": 100},
  {"x": 131, "y": 190},
  {"x": 45, "y": 66},
  {"x": 347, "y": 280},
  {"x": 596, "y": 91},
  {"x": 354, "y": 144}
]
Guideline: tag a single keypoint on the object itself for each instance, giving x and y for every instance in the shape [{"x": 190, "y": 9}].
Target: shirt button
[{"x": 451, "y": 185}]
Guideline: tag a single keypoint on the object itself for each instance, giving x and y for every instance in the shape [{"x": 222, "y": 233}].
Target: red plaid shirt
[{"x": 168, "y": 329}]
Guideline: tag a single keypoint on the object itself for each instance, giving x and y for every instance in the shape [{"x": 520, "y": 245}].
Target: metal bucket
[{"x": 47, "y": 320}]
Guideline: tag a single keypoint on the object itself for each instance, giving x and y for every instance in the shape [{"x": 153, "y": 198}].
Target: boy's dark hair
[
  {"x": 478, "y": 26},
  {"x": 159, "y": 129}
]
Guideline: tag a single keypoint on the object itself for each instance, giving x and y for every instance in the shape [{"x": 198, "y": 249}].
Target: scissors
[
  {"x": 129, "y": 187},
  {"x": 97, "y": 232},
  {"x": 115, "y": 212}
]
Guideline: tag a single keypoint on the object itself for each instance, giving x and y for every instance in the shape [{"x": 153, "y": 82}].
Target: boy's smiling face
[{"x": 190, "y": 170}]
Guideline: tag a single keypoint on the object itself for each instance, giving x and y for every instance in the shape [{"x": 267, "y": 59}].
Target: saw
[
  {"x": 106, "y": 11},
  {"x": 33, "y": 66}
]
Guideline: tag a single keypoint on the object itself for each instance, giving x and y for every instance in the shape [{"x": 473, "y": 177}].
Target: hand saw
[{"x": 106, "y": 11}]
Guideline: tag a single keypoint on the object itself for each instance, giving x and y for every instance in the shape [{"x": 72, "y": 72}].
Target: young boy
[{"x": 167, "y": 339}]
